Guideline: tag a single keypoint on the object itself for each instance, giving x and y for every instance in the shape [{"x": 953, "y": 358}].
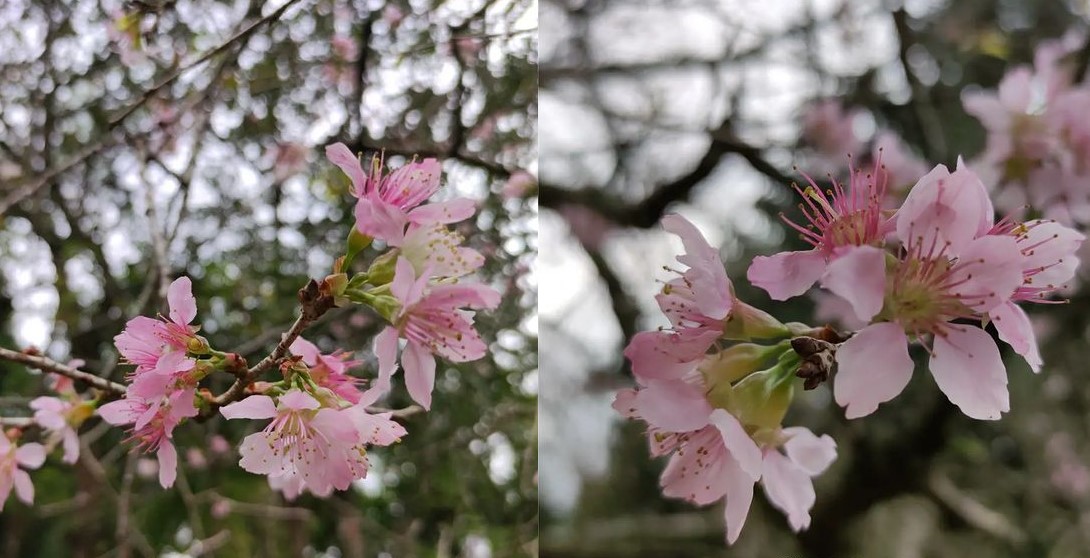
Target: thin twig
[
  {"x": 313, "y": 303},
  {"x": 47, "y": 364}
]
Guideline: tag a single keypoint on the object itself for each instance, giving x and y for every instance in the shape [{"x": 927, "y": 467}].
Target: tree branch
[
  {"x": 313, "y": 303},
  {"x": 46, "y": 364}
]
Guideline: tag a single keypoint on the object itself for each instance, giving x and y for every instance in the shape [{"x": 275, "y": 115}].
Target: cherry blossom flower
[
  {"x": 329, "y": 371},
  {"x": 389, "y": 203},
  {"x": 845, "y": 227},
  {"x": 829, "y": 130},
  {"x": 14, "y": 461},
  {"x": 701, "y": 307},
  {"x": 950, "y": 270},
  {"x": 153, "y": 423},
  {"x": 432, "y": 321},
  {"x": 55, "y": 415},
  {"x": 439, "y": 249},
  {"x": 714, "y": 455},
  {"x": 304, "y": 438},
  {"x": 144, "y": 340}
]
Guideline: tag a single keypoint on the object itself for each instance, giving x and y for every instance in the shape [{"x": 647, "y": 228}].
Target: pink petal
[
  {"x": 443, "y": 213},
  {"x": 739, "y": 492},
  {"x": 258, "y": 455},
  {"x": 788, "y": 488},
  {"x": 340, "y": 155},
  {"x": 120, "y": 412},
  {"x": 859, "y": 276},
  {"x": 809, "y": 452},
  {"x": 24, "y": 488},
  {"x": 988, "y": 272},
  {"x": 698, "y": 477},
  {"x": 386, "y": 353},
  {"x": 404, "y": 282},
  {"x": 419, "y": 373},
  {"x": 942, "y": 208},
  {"x": 872, "y": 368},
  {"x": 673, "y": 406},
  {"x": 1046, "y": 244},
  {"x": 665, "y": 355},
  {"x": 1015, "y": 89},
  {"x": 168, "y": 464},
  {"x": 296, "y": 400},
  {"x": 987, "y": 108},
  {"x": 967, "y": 367},
  {"x": 253, "y": 407},
  {"x": 696, "y": 246},
  {"x": 30, "y": 456},
  {"x": 787, "y": 274},
  {"x": 377, "y": 219},
  {"x": 969, "y": 179},
  {"x": 309, "y": 351},
  {"x": 183, "y": 307},
  {"x": 742, "y": 448},
  {"x": 1014, "y": 327},
  {"x": 71, "y": 446}
]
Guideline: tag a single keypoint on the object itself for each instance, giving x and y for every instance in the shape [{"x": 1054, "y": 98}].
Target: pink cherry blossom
[
  {"x": 829, "y": 129},
  {"x": 330, "y": 371},
  {"x": 949, "y": 270},
  {"x": 144, "y": 340},
  {"x": 843, "y": 223},
  {"x": 389, "y": 203},
  {"x": 52, "y": 414},
  {"x": 316, "y": 446},
  {"x": 439, "y": 249},
  {"x": 153, "y": 423},
  {"x": 14, "y": 461},
  {"x": 432, "y": 321},
  {"x": 714, "y": 456}
]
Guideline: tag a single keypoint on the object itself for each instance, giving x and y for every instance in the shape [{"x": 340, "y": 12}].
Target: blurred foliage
[{"x": 230, "y": 155}]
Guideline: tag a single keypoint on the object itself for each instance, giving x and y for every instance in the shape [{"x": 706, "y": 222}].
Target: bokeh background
[
  {"x": 702, "y": 107},
  {"x": 223, "y": 169}
]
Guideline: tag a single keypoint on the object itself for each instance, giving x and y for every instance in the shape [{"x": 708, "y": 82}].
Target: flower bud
[
  {"x": 737, "y": 362},
  {"x": 357, "y": 242},
  {"x": 760, "y": 399},
  {"x": 381, "y": 271},
  {"x": 746, "y": 322},
  {"x": 197, "y": 345}
]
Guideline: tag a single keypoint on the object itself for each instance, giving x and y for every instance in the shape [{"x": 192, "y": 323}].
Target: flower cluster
[
  {"x": 934, "y": 272},
  {"x": 716, "y": 410},
  {"x": 320, "y": 416},
  {"x": 163, "y": 385},
  {"x": 416, "y": 283},
  {"x": 1038, "y": 139}
]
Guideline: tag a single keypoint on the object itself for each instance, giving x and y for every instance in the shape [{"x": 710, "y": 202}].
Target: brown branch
[
  {"x": 46, "y": 364},
  {"x": 647, "y": 213},
  {"x": 313, "y": 303}
]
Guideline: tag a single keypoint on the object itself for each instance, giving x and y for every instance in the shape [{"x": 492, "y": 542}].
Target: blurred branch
[
  {"x": 397, "y": 413},
  {"x": 927, "y": 117},
  {"x": 973, "y": 512},
  {"x": 647, "y": 213},
  {"x": 34, "y": 185},
  {"x": 46, "y": 364}
]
